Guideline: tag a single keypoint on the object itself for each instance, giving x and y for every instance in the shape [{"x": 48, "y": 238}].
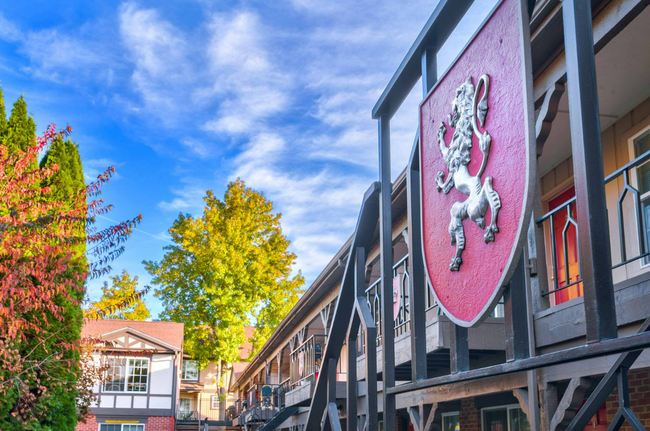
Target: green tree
[
  {"x": 123, "y": 289},
  {"x": 65, "y": 185},
  {"x": 20, "y": 132},
  {"x": 227, "y": 269},
  {"x": 3, "y": 113},
  {"x": 19, "y": 136}
]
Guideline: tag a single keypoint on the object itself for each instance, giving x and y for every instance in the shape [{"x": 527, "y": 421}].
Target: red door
[{"x": 560, "y": 221}]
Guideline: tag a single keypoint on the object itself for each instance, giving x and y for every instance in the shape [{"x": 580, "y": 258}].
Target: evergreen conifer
[{"x": 20, "y": 132}]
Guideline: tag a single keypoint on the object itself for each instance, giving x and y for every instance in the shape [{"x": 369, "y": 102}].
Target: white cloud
[
  {"x": 197, "y": 147},
  {"x": 249, "y": 86},
  {"x": 315, "y": 205},
  {"x": 190, "y": 197},
  {"x": 159, "y": 53},
  {"x": 8, "y": 30}
]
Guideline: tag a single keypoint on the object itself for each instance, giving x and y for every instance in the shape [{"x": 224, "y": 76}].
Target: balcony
[
  {"x": 561, "y": 317},
  {"x": 258, "y": 405}
]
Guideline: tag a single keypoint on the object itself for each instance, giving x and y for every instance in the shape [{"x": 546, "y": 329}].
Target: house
[
  {"x": 140, "y": 390},
  {"x": 284, "y": 381},
  {"x": 204, "y": 393}
]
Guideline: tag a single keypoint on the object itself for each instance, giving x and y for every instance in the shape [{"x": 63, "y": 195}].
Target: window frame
[
  {"x": 126, "y": 375},
  {"x": 212, "y": 398},
  {"x": 99, "y": 426},
  {"x": 183, "y": 370},
  {"x": 507, "y": 408},
  {"x": 449, "y": 414},
  {"x": 634, "y": 179}
]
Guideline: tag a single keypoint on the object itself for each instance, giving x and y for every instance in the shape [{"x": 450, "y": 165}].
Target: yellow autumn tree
[
  {"x": 227, "y": 269},
  {"x": 120, "y": 300}
]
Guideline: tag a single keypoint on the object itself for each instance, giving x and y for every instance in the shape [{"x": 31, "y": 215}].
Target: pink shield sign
[{"x": 476, "y": 166}]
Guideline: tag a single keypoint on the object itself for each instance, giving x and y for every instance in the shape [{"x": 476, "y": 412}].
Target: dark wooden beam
[
  {"x": 386, "y": 268},
  {"x": 608, "y": 347},
  {"x": 593, "y": 228}
]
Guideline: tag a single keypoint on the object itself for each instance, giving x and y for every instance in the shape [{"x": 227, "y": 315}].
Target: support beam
[
  {"x": 386, "y": 263},
  {"x": 593, "y": 229},
  {"x": 459, "y": 349},
  {"x": 325, "y": 317},
  {"x": 522, "y": 396},
  {"x": 516, "y": 314},
  {"x": 279, "y": 360},
  {"x": 547, "y": 114},
  {"x": 425, "y": 417},
  {"x": 620, "y": 345},
  {"x": 418, "y": 282},
  {"x": 570, "y": 403},
  {"x": 353, "y": 333},
  {"x": 414, "y": 416},
  {"x": 606, "y": 385},
  {"x": 433, "y": 415},
  {"x": 548, "y": 404}
]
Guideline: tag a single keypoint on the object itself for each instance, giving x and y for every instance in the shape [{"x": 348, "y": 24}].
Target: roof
[{"x": 168, "y": 332}]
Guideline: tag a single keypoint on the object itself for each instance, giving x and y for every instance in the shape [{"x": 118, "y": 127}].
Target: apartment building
[
  {"x": 549, "y": 357},
  {"x": 204, "y": 393}
]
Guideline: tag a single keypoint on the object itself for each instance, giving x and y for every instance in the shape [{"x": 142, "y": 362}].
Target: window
[
  {"x": 127, "y": 375},
  {"x": 499, "y": 310},
  {"x": 641, "y": 146},
  {"x": 121, "y": 427},
  {"x": 190, "y": 370},
  {"x": 214, "y": 402},
  {"x": 451, "y": 421},
  {"x": 505, "y": 418},
  {"x": 185, "y": 408}
]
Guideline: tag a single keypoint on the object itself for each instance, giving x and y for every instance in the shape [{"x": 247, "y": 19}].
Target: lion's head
[{"x": 461, "y": 119}]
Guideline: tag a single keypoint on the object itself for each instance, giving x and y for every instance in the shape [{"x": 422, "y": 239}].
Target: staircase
[
  {"x": 277, "y": 420},
  {"x": 188, "y": 425}
]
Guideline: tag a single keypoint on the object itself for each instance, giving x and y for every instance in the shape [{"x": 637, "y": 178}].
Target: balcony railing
[
  {"x": 571, "y": 276},
  {"x": 400, "y": 299},
  {"x": 259, "y": 397},
  {"x": 305, "y": 360}
]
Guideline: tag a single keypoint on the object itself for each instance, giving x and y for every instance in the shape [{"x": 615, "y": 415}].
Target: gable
[{"x": 130, "y": 339}]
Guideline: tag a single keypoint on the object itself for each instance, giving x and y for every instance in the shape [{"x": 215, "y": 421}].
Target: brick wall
[
  {"x": 155, "y": 423},
  {"x": 469, "y": 416},
  {"x": 639, "y": 382}
]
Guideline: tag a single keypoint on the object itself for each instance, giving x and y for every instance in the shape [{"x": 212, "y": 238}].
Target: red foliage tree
[{"x": 40, "y": 270}]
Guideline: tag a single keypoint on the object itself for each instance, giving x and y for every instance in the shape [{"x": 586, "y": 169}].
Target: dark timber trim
[
  {"x": 588, "y": 351},
  {"x": 593, "y": 230},
  {"x": 386, "y": 264}
]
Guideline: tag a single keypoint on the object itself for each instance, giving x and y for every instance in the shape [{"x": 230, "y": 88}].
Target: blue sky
[{"x": 185, "y": 96}]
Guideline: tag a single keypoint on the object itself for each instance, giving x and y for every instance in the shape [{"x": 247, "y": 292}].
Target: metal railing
[
  {"x": 305, "y": 360},
  {"x": 187, "y": 415},
  {"x": 259, "y": 397},
  {"x": 401, "y": 295},
  {"x": 570, "y": 227}
]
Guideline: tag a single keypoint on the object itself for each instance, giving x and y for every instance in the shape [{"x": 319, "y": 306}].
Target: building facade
[
  {"x": 548, "y": 358},
  {"x": 204, "y": 393},
  {"x": 140, "y": 390}
]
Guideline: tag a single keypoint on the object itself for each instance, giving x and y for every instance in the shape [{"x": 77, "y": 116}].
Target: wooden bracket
[{"x": 570, "y": 403}]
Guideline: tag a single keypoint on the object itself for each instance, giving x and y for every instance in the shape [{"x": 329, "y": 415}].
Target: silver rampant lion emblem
[{"x": 467, "y": 109}]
